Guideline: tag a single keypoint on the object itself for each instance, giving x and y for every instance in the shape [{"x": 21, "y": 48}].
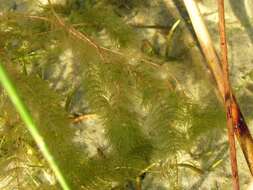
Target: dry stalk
[
  {"x": 241, "y": 129},
  {"x": 228, "y": 95}
]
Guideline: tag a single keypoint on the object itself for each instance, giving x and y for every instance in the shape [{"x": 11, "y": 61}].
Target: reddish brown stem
[
  {"x": 228, "y": 96},
  {"x": 241, "y": 129}
]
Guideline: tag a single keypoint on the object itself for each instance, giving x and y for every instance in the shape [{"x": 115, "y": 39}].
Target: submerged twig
[
  {"x": 86, "y": 39},
  {"x": 228, "y": 96},
  {"x": 75, "y": 32},
  {"x": 83, "y": 117},
  {"x": 192, "y": 167},
  {"x": 242, "y": 131}
]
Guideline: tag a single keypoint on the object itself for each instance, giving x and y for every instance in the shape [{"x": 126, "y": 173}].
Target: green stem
[{"x": 28, "y": 120}]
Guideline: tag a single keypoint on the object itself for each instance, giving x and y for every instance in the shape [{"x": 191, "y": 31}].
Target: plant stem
[
  {"x": 228, "y": 96},
  {"x": 138, "y": 183},
  {"x": 242, "y": 131},
  {"x": 31, "y": 126}
]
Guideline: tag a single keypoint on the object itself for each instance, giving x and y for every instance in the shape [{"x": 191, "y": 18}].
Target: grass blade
[{"x": 30, "y": 124}]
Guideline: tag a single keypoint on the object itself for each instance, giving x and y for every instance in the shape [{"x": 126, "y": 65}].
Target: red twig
[
  {"x": 228, "y": 96},
  {"x": 242, "y": 130}
]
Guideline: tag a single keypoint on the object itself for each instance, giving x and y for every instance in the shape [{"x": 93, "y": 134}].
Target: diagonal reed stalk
[
  {"x": 228, "y": 95},
  {"x": 31, "y": 126},
  {"x": 241, "y": 129}
]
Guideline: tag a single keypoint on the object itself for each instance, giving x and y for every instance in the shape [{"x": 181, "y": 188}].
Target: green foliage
[
  {"x": 95, "y": 17},
  {"x": 150, "y": 123}
]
